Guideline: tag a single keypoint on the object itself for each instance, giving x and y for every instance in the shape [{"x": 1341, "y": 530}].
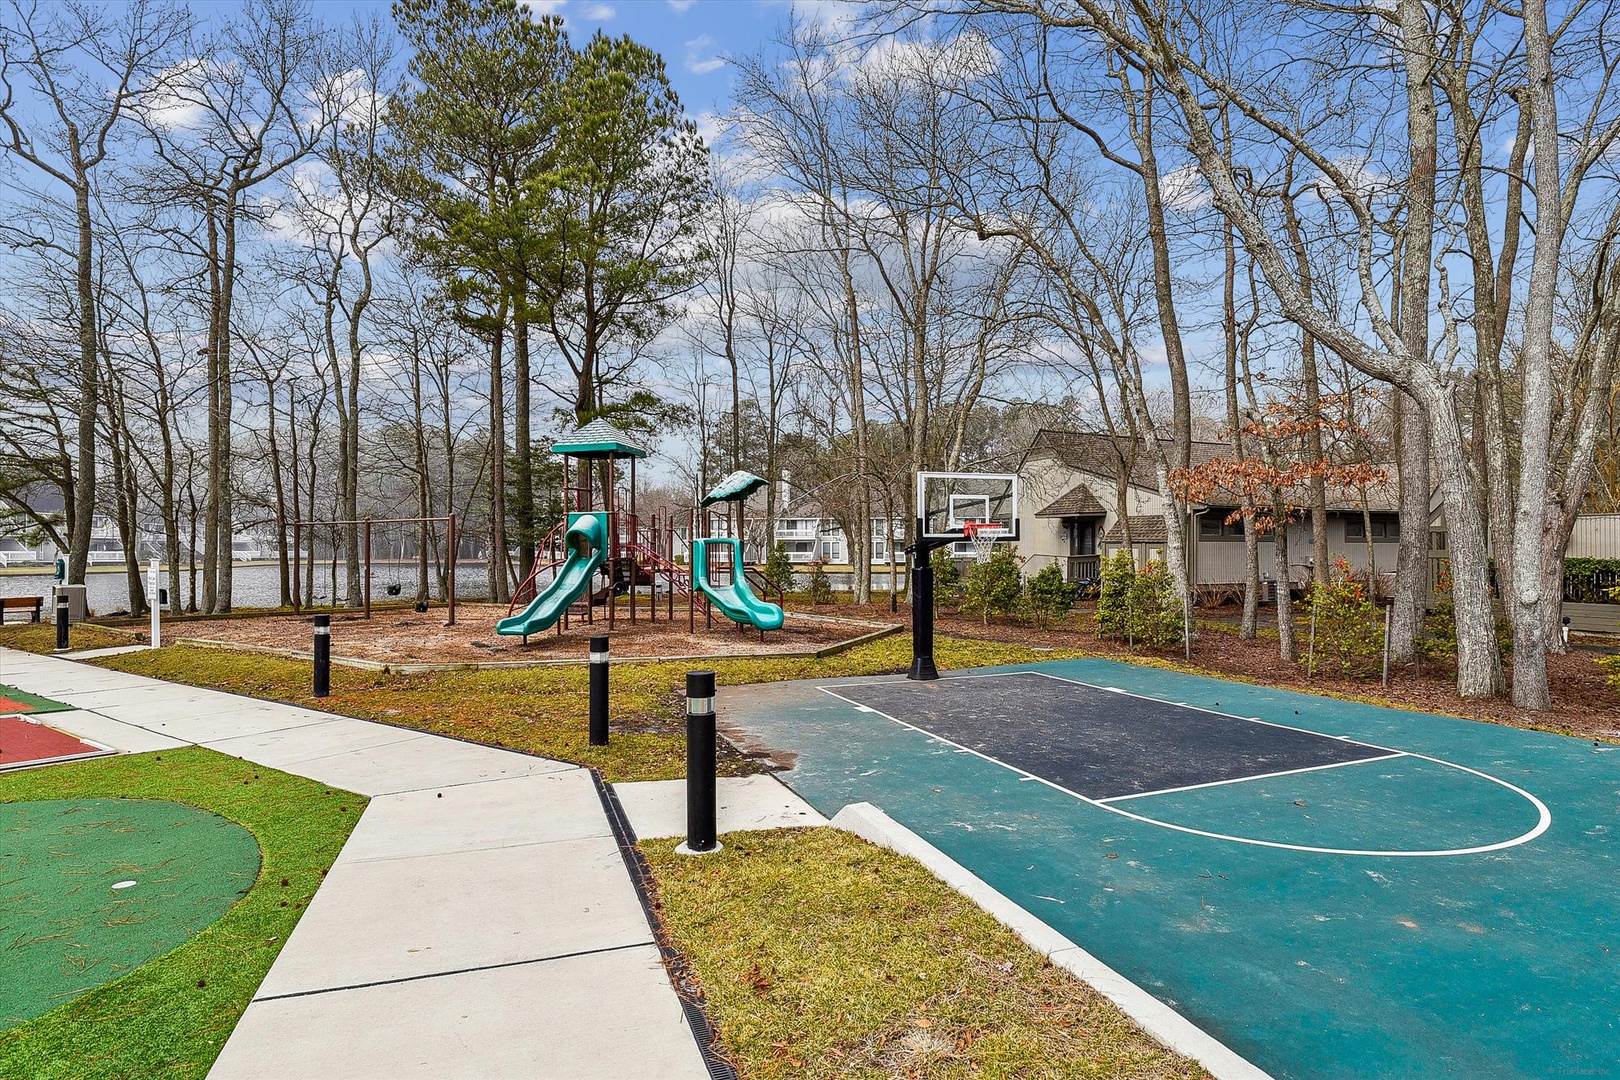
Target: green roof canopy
[
  {"x": 735, "y": 488},
  {"x": 598, "y": 439}
]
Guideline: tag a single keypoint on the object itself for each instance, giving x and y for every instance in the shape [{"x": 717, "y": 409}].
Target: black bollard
[
  {"x": 323, "y": 655},
  {"x": 599, "y": 690},
  {"x": 62, "y": 622},
  {"x": 700, "y": 823}
]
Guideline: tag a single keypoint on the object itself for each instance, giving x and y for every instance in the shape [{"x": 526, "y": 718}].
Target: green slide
[
  {"x": 736, "y": 601},
  {"x": 586, "y": 541}
]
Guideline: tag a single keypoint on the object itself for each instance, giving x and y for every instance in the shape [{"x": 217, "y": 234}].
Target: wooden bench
[{"x": 34, "y": 604}]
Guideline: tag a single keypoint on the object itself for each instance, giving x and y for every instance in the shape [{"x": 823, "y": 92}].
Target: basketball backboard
[{"x": 945, "y": 501}]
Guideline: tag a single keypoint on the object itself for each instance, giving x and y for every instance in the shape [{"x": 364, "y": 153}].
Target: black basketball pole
[
  {"x": 323, "y": 655},
  {"x": 700, "y": 765},
  {"x": 599, "y": 690},
  {"x": 922, "y": 607}
]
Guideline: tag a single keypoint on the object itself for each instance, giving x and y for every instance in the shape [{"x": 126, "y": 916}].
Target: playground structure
[{"x": 597, "y": 554}]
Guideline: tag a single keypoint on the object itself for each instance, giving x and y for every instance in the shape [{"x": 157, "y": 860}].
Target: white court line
[
  {"x": 1256, "y": 776},
  {"x": 1542, "y": 824}
]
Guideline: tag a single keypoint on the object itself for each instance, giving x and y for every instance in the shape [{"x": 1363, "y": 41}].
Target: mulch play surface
[
  {"x": 403, "y": 636},
  {"x": 28, "y": 742}
]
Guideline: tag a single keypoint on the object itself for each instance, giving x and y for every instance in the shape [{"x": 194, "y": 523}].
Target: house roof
[
  {"x": 598, "y": 439},
  {"x": 1145, "y": 529},
  {"x": 1078, "y": 501},
  {"x": 1110, "y": 456}
]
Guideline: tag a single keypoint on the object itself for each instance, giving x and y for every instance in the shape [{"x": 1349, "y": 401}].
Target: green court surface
[
  {"x": 14, "y": 702},
  {"x": 1445, "y": 905},
  {"x": 91, "y": 889}
]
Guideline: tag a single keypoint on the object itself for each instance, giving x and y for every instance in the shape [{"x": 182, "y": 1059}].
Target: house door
[{"x": 1083, "y": 537}]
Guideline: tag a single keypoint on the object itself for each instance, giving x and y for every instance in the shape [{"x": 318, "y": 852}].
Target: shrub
[
  {"x": 1439, "y": 636},
  {"x": 1612, "y": 665},
  {"x": 1592, "y": 581},
  {"x": 1116, "y": 574},
  {"x": 947, "y": 578},
  {"x": 819, "y": 585},
  {"x": 779, "y": 568},
  {"x": 1155, "y": 616},
  {"x": 1349, "y": 627},
  {"x": 994, "y": 587},
  {"x": 1048, "y": 596}
]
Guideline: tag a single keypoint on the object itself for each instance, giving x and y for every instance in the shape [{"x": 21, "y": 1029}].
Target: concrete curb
[
  {"x": 1152, "y": 1015},
  {"x": 410, "y": 668}
]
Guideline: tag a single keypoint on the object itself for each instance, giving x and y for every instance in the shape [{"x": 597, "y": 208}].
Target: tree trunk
[
  {"x": 500, "y": 588},
  {"x": 84, "y": 494}
]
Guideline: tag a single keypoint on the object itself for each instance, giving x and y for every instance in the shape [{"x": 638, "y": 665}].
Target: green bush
[
  {"x": 1116, "y": 575},
  {"x": 947, "y": 578},
  {"x": 995, "y": 587},
  {"x": 1048, "y": 596},
  {"x": 1592, "y": 581},
  {"x": 819, "y": 585},
  {"x": 1438, "y": 639},
  {"x": 779, "y": 568},
  {"x": 1612, "y": 665},
  {"x": 1155, "y": 616},
  {"x": 1349, "y": 627}
]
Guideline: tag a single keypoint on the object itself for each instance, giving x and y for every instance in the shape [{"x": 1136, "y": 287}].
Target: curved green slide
[
  {"x": 736, "y": 601},
  {"x": 586, "y": 541}
]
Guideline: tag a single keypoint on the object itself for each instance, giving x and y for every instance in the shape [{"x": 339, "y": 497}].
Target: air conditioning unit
[{"x": 1268, "y": 591}]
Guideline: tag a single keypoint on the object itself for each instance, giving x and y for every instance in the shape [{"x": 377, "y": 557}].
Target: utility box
[{"x": 78, "y": 609}]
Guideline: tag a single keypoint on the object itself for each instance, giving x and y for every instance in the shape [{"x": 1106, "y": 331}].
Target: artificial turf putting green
[
  {"x": 170, "y": 1016},
  {"x": 91, "y": 889},
  {"x": 823, "y": 956}
]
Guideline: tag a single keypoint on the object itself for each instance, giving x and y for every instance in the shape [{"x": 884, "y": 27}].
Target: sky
[{"x": 693, "y": 36}]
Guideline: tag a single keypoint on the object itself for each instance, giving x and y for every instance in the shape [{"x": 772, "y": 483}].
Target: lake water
[{"x": 257, "y": 585}]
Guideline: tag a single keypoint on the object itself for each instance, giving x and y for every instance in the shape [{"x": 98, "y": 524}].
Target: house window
[
  {"x": 1384, "y": 527},
  {"x": 800, "y": 551},
  {"x": 1214, "y": 526}
]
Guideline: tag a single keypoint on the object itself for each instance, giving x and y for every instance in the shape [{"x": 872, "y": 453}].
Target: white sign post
[{"x": 154, "y": 594}]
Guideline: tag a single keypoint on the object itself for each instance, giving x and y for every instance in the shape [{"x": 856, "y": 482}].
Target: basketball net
[{"x": 984, "y": 535}]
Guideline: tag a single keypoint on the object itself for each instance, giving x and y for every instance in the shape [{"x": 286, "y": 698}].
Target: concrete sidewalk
[{"x": 480, "y": 921}]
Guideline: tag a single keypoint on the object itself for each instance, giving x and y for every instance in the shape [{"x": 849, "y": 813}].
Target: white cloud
[
  {"x": 600, "y": 12},
  {"x": 708, "y": 127},
  {"x": 1185, "y": 191},
  {"x": 177, "y": 99},
  {"x": 700, "y": 59},
  {"x": 681, "y": 6},
  {"x": 542, "y": 7}
]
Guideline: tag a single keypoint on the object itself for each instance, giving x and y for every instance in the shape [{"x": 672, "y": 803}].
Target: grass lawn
[
  {"x": 821, "y": 955},
  {"x": 169, "y": 1017},
  {"x": 41, "y": 637},
  {"x": 545, "y": 710}
]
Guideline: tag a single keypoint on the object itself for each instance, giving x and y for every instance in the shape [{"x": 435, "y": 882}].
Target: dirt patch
[
  {"x": 404, "y": 636},
  {"x": 1583, "y": 702}
]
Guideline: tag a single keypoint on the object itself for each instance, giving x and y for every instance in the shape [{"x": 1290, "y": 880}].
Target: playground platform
[{"x": 480, "y": 921}]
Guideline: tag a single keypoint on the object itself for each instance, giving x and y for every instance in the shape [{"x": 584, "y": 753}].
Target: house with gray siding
[{"x": 1087, "y": 494}]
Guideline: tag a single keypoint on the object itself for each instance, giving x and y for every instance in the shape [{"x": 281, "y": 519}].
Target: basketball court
[{"x": 1330, "y": 888}]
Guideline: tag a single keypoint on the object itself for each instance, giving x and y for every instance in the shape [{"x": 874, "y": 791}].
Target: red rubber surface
[{"x": 23, "y": 742}]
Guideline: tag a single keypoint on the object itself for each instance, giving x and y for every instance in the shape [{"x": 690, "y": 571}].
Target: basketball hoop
[{"x": 984, "y": 535}]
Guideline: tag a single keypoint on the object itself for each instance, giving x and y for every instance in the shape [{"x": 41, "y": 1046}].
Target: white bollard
[{"x": 153, "y": 594}]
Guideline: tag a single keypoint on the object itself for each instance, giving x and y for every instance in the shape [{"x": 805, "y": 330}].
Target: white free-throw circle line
[{"x": 1544, "y": 815}]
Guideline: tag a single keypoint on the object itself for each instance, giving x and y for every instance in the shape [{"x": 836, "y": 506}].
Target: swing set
[{"x": 440, "y": 569}]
